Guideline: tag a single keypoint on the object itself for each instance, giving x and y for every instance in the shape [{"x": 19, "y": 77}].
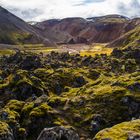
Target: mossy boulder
[
  {"x": 31, "y": 62},
  {"x": 130, "y": 65},
  {"x": 57, "y": 101},
  {"x": 5, "y": 132},
  {"x": 27, "y": 108},
  {"x": 40, "y": 117},
  {"x": 94, "y": 74},
  {"x": 21, "y": 134},
  {"x": 15, "y": 105},
  {"x": 117, "y": 53},
  {"x": 61, "y": 78},
  {"x": 40, "y": 111},
  {"x": 123, "y": 131},
  {"x": 43, "y": 73},
  {"x": 12, "y": 111},
  {"x": 23, "y": 85}
]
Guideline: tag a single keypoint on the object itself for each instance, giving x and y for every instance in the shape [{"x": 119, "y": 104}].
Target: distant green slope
[
  {"x": 131, "y": 38},
  {"x": 14, "y": 30},
  {"x": 16, "y": 37}
]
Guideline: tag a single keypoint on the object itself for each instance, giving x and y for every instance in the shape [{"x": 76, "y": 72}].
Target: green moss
[
  {"x": 131, "y": 38},
  {"x": 15, "y": 105},
  {"x": 57, "y": 101},
  {"x": 23, "y": 85},
  {"x": 13, "y": 116},
  {"x": 94, "y": 74},
  {"x": 59, "y": 122},
  {"x": 6, "y": 52},
  {"x": 120, "y": 131},
  {"x": 43, "y": 73},
  {"x": 36, "y": 82},
  {"x": 4, "y": 128},
  {"x": 14, "y": 37},
  {"x": 13, "y": 109},
  {"x": 27, "y": 108},
  {"x": 40, "y": 111},
  {"x": 21, "y": 131},
  {"x": 101, "y": 94},
  {"x": 6, "y": 82}
]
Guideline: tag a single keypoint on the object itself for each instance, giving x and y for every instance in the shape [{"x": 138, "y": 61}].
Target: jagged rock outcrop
[
  {"x": 131, "y": 37},
  {"x": 58, "y": 133}
]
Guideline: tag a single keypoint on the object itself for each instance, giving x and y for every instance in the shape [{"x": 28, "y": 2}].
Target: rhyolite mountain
[
  {"x": 14, "y": 30},
  {"x": 129, "y": 39},
  {"x": 103, "y": 29},
  {"x": 113, "y": 29}
]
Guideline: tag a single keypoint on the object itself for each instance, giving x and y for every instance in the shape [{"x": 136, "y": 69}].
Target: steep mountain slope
[
  {"x": 78, "y": 30},
  {"x": 62, "y": 31},
  {"x": 131, "y": 38},
  {"x": 13, "y": 30}
]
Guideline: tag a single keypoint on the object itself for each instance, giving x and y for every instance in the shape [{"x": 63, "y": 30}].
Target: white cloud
[{"x": 45, "y": 9}]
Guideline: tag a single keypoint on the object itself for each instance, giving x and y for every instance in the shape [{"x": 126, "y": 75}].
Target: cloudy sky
[{"x": 38, "y": 10}]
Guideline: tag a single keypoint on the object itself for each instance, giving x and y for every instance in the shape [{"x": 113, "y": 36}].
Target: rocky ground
[{"x": 70, "y": 97}]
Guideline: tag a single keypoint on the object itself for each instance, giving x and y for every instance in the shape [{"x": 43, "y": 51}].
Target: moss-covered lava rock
[
  {"x": 5, "y": 132},
  {"x": 59, "y": 89},
  {"x": 124, "y": 131}
]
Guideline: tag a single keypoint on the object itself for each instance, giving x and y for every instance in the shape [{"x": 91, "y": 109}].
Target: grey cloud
[
  {"x": 27, "y": 14},
  {"x": 133, "y": 9},
  {"x": 45, "y": 9},
  {"x": 88, "y": 2},
  {"x": 30, "y": 13}
]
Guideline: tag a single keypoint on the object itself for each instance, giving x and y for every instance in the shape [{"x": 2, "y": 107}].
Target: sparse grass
[
  {"x": 6, "y": 52},
  {"x": 96, "y": 49},
  {"x": 35, "y": 48},
  {"x": 40, "y": 48},
  {"x": 112, "y": 20},
  {"x": 44, "y": 50}
]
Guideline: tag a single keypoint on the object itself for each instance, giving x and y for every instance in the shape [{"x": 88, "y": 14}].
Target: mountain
[
  {"x": 131, "y": 38},
  {"x": 78, "y": 30},
  {"x": 14, "y": 30},
  {"x": 113, "y": 29},
  {"x": 116, "y": 30}
]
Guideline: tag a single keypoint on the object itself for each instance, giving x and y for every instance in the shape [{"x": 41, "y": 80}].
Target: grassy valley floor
[{"x": 82, "y": 49}]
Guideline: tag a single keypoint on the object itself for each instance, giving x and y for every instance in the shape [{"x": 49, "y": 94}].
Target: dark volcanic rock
[
  {"x": 117, "y": 53},
  {"x": 58, "y": 133},
  {"x": 134, "y": 137},
  {"x": 79, "y": 81},
  {"x": 134, "y": 87},
  {"x": 31, "y": 62}
]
